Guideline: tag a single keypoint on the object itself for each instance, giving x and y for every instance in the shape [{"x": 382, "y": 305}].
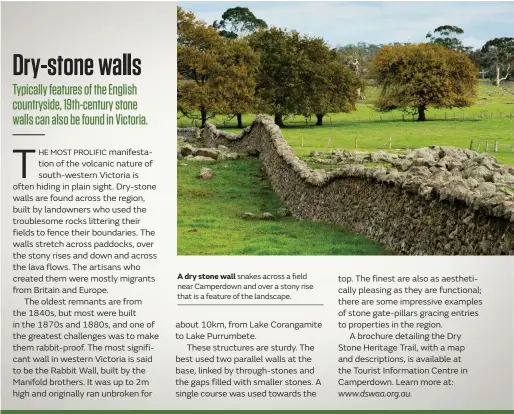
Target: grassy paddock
[
  {"x": 209, "y": 220},
  {"x": 209, "y": 212},
  {"x": 490, "y": 119}
]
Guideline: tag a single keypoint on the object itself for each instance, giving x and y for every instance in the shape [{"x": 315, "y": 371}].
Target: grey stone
[
  {"x": 206, "y": 174},
  {"x": 207, "y": 152},
  {"x": 436, "y": 200},
  {"x": 202, "y": 159},
  {"x": 252, "y": 216},
  {"x": 248, "y": 216},
  {"x": 486, "y": 189},
  {"x": 283, "y": 212},
  {"x": 266, "y": 216},
  {"x": 187, "y": 149},
  {"x": 188, "y": 134},
  {"x": 480, "y": 173}
]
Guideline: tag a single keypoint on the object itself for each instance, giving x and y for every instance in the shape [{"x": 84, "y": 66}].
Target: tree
[
  {"x": 337, "y": 90},
  {"x": 417, "y": 76},
  {"x": 242, "y": 64},
  {"x": 498, "y": 56},
  {"x": 214, "y": 74},
  {"x": 300, "y": 75},
  {"x": 241, "y": 21},
  {"x": 476, "y": 56},
  {"x": 358, "y": 57},
  {"x": 331, "y": 85},
  {"x": 198, "y": 67},
  {"x": 446, "y": 36},
  {"x": 280, "y": 87},
  {"x": 237, "y": 22}
]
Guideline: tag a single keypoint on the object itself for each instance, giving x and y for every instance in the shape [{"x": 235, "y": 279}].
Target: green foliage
[
  {"x": 209, "y": 220},
  {"x": 358, "y": 57},
  {"x": 424, "y": 75},
  {"x": 498, "y": 57},
  {"x": 490, "y": 119},
  {"x": 279, "y": 83},
  {"x": 215, "y": 75},
  {"x": 477, "y": 58},
  {"x": 199, "y": 68},
  {"x": 301, "y": 75},
  {"x": 446, "y": 36},
  {"x": 333, "y": 87},
  {"x": 242, "y": 65},
  {"x": 237, "y": 22}
]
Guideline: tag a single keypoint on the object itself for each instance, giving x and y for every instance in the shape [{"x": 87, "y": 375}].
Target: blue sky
[{"x": 341, "y": 23}]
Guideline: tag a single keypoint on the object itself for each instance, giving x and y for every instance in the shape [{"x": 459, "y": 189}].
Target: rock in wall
[
  {"x": 423, "y": 208},
  {"x": 188, "y": 134}
]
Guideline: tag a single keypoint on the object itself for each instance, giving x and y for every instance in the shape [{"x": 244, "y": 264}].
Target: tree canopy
[
  {"x": 358, "y": 56},
  {"x": 300, "y": 75},
  {"x": 447, "y": 36},
  {"x": 242, "y": 65},
  {"x": 239, "y": 65},
  {"x": 498, "y": 56},
  {"x": 279, "y": 82},
  {"x": 419, "y": 76},
  {"x": 215, "y": 75},
  {"x": 238, "y": 21},
  {"x": 331, "y": 85}
]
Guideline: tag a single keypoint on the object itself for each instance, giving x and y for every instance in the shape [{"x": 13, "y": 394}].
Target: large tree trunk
[
  {"x": 279, "y": 121},
  {"x": 203, "y": 113},
  {"x": 239, "y": 120},
  {"x": 421, "y": 114},
  {"x": 497, "y": 75},
  {"x": 319, "y": 118}
]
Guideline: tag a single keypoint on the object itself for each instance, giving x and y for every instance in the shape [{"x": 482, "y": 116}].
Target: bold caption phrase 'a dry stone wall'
[{"x": 431, "y": 201}]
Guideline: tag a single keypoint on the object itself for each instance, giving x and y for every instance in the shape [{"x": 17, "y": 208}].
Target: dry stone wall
[
  {"x": 189, "y": 134},
  {"x": 431, "y": 201}
]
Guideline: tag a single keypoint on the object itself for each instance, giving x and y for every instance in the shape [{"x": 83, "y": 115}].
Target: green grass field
[
  {"x": 209, "y": 220},
  {"x": 209, "y": 212},
  {"x": 490, "y": 119}
]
